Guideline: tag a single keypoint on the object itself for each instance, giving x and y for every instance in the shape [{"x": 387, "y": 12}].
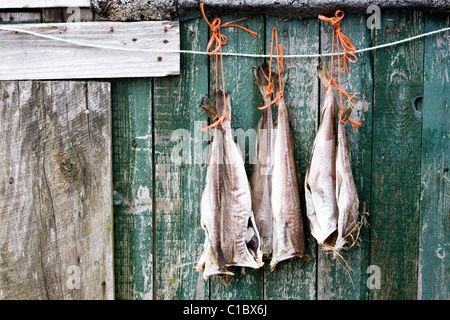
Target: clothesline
[{"x": 248, "y": 55}]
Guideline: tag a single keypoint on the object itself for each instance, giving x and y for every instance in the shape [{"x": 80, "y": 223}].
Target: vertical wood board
[{"x": 55, "y": 203}]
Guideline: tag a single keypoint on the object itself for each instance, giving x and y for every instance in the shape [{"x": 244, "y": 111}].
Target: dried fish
[
  {"x": 346, "y": 194},
  {"x": 261, "y": 179},
  {"x": 320, "y": 181},
  {"x": 232, "y": 239},
  {"x": 212, "y": 258},
  {"x": 288, "y": 232}
]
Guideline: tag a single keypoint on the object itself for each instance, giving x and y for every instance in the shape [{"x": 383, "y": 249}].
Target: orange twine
[
  {"x": 341, "y": 41},
  {"x": 280, "y": 68},
  {"x": 219, "y": 40}
]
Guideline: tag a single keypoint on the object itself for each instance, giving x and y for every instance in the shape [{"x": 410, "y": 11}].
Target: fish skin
[
  {"x": 261, "y": 179},
  {"x": 212, "y": 258},
  {"x": 236, "y": 205},
  {"x": 288, "y": 232},
  {"x": 320, "y": 180},
  {"x": 346, "y": 194},
  {"x": 225, "y": 205}
]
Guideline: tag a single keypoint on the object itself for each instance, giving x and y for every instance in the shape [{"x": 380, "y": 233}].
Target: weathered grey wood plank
[
  {"x": 132, "y": 179},
  {"x": 62, "y": 60},
  {"x": 245, "y": 100},
  {"x": 71, "y": 14},
  {"x": 295, "y": 278},
  {"x": 397, "y": 126},
  {"x": 55, "y": 194},
  {"x": 434, "y": 250},
  {"x": 180, "y": 170},
  {"x": 335, "y": 279}
]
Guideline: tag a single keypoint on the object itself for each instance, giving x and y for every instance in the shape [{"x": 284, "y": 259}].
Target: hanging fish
[
  {"x": 232, "y": 239},
  {"x": 261, "y": 179},
  {"x": 320, "y": 180},
  {"x": 346, "y": 194},
  {"x": 240, "y": 237},
  {"x": 212, "y": 259},
  {"x": 288, "y": 233}
]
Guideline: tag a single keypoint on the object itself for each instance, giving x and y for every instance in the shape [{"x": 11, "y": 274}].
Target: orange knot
[
  {"x": 280, "y": 67},
  {"x": 219, "y": 40},
  {"x": 349, "y": 55}
]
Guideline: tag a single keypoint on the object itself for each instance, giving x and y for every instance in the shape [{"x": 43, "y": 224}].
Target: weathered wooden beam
[
  {"x": 126, "y": 10},
  {"x": 56, "y": 191},
  {"x": 179, "y": 174},
  {"x": 26, "y": 57},
  {"x": 434, "y": 260},
  {"x": 396, "y": 155}
]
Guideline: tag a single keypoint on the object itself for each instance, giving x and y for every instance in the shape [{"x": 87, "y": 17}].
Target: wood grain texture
[
  {"x": 180, "y": 168},
  {"x": 434, "y": 263},
  {"x": 61, "y": 60},
  {"x": 335, "y": 279},
  {"x": 295, "y": 278},
  {"x": 245, "y": 100},
  {"x": 397, "y": 126},
  {"x": 132, "y": 176},
  {"x": 55, "y": 203}
]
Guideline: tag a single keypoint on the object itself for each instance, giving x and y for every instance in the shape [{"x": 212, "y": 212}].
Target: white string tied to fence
[{"x": 248, "y": 55}]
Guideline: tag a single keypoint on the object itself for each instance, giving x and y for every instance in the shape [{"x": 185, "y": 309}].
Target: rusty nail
[
  {"x": 104, "y": 284},
  {"x": 134, "y": 39},
  {"x": 159, "y": 58},
  {"x": 111, "y": 28},
  {"x": 5, "y": 95},
  {"x": 134, "y": 144},
  {"x": 166, "y": 41},
  {"x": 64, "y": 28},
  {"x": 165, "y": 29},
  {"x": 11, "y": 18},
  {"x": 14, "y": 32},
  {"x": 11, "y": 180},
  {"x": 397, "y": 29}
]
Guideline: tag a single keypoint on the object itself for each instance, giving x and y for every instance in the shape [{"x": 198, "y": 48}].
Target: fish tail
[
  {"x": 261, "y": 75},
  {"x": 209, "y": 107},
  {"x": 279, "y": 82},
  {"x": 322, "y": 71}
]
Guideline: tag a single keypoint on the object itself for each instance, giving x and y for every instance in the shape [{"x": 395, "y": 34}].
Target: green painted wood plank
[
  {"x": 295, "y": 278},
  {"x": 434, "y": 263},
  {"x": 398, "y": 80},
  {"x": 245, "y": 99},
  {"x": 132, "y": 178},
  {"x": 179, "y": 176},
  {"x": 335, "y": 280}
]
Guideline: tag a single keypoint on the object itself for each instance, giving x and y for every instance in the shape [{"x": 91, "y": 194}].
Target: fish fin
[
  {"x": 209, "y": 107},
  {"x": 261, "y": 74}
]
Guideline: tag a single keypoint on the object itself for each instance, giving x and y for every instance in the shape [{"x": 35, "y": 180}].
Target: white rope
[{"x": 248, "y": 55}]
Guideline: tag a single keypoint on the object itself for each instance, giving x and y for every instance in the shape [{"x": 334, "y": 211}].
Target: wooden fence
[{"x": 401, "y": 159}]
